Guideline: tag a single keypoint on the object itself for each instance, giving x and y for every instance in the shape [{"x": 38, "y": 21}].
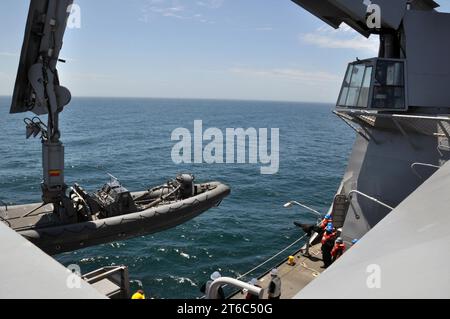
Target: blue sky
[{"x": 232, "y": 49}]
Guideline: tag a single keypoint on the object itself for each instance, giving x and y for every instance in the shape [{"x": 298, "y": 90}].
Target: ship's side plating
[{"x": 383, "y": 167}]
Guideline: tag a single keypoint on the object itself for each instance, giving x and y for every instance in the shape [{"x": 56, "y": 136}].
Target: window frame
[{"x": 374, "y": 64}]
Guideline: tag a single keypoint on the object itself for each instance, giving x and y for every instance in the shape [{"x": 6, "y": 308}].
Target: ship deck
[{"x": 294, "y": 278}]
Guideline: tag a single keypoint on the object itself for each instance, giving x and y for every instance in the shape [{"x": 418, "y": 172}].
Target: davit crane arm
[{"x": 37, "y": 89}]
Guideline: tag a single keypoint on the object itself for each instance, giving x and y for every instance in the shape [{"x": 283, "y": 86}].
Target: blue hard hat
[
  {"x": 330, "y": 227},
  {"x": 354, "y": 241},
  {"x": 328, "y": 216}
]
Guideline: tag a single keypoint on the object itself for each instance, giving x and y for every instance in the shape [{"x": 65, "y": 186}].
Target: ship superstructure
[{"x": 398, "y": 102}]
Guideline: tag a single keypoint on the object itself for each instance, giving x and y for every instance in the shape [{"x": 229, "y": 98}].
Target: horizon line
[{"x": 189, "y": 98}]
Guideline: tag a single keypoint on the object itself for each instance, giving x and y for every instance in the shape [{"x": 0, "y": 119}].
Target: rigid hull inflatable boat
[{"x": 113, "y": 213}]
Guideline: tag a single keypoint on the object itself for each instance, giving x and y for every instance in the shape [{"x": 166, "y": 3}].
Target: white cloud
[
  {"x": 179, "y": 9},
  {"x": 342, "y": 38},
  {"x": 213, "y": 4},
  {"x": 308, "y": 77}
]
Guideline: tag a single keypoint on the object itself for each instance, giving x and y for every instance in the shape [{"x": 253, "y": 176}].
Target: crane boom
[{"x": 38, "y": 90}]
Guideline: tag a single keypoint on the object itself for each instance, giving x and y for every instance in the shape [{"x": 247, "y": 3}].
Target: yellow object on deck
[
  {"x": 138, "y": 295},
  {"x": 291, "y": 261}
]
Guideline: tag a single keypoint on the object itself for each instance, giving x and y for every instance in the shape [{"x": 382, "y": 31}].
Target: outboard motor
[{"x": 187, "y": 187}]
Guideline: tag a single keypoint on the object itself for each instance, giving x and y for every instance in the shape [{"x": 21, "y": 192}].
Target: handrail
[
  {"x": 271, "y": 258},
  {"x": 102, "y": 275},
  {"x": 370, "y": 198},
  {"x": 304, "y": 206},
  {"x": 401, "y": 116},
  {"x": 213, "y": 290},
  {"x": 444, "y": 147},
  {"x": 356, "y": 114},
  {"x": 267, "y": 260},
  {"x": 413, "y": 165}
]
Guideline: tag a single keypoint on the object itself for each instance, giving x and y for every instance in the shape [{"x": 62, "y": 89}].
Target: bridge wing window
[
  {"x": 389, "y": 85},
  {"x": 365, "y": 88},
  {"x": 374, "y": 84},
  {"x": 355, "y": 90},
  {"x": 344, "y": 91}
]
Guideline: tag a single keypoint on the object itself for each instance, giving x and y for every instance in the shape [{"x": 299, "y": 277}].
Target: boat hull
[{"x": 71, "y": 237}]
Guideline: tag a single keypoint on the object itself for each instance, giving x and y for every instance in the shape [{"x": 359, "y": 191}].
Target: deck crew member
[
  {"x": 250, "y": 296},
  {"x": 309, "y": 231},
  {"x": 324, "y": 223},
  {"x": 338, "y": 249},
  {"x": 328, "y": 240},
  {"x": 205, "y": 288},
  {"x": 138, "y": 295},
  {"x": 275, "y": 285}
]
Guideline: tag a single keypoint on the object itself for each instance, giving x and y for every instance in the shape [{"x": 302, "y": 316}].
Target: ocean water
[{"x": 131, "y": 139}]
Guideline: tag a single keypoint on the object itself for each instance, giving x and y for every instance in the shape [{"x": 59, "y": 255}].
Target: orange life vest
[
  {"x": 326, "y": 237},
  {"x": 325, "y": 223},
  {"x": 338, "y": 250}
]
